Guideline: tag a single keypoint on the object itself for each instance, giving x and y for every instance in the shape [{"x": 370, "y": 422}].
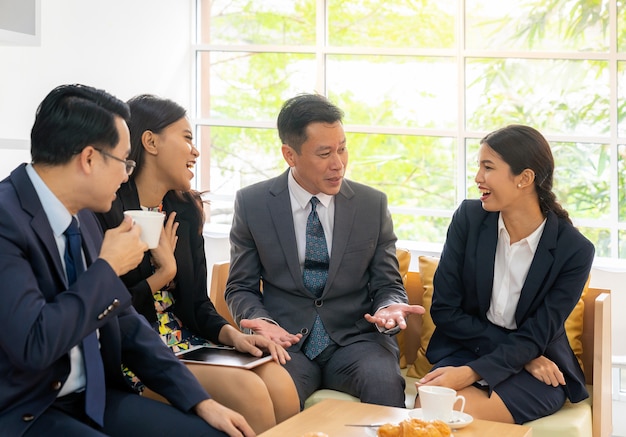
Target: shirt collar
[
  {"x": 58, "y": 215},
  {"x": 532, "y": 240},
  {"x": 302, "y": 196}
]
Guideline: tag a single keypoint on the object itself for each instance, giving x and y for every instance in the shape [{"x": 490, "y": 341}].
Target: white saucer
[{"x": 459, "y": 420}]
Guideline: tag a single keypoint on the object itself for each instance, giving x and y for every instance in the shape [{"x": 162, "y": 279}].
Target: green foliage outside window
[{"x": 420, "y": 85}]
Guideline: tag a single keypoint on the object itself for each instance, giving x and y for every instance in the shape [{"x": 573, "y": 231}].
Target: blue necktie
[
  {"x": 95, "y": 392},
  {"x": 314, "y": 276}
]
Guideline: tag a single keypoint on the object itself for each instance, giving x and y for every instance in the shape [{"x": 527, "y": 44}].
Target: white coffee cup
[
  {"x": 438, "y": 402},
  {"x": 151, "y": 223}
]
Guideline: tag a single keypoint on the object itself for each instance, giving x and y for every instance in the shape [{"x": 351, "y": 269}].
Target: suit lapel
[
  {"x": 41, "y": 226},
  {"x": 539, "y": 268},
  {"x": 279, "y": 204},
  {"x": 484, "y": 259},
  {"x": 345, "y": 212}
]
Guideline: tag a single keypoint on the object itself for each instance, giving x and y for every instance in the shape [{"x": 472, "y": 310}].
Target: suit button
[
  {"x": 319, "y": 302},
  {"x": 115, "y": 303},
  {"x": 28, "y": 417},
  {"x": 100, "y": 316},
  {"x": 304, "y": 331},
  {"x": 477, "y": 350},
  {"x": 110, "y": 307},
  {"x": 56, "y": 385}
]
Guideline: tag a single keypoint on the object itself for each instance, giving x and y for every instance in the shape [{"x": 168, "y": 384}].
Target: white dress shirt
[
  {"x": 59, "y": 219},
  {"x": 300, "y": 209},
  {"x": 509, "y": 274}
]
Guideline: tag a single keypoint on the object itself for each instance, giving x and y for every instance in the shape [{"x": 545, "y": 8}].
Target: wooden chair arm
[{"x": 602, "y": 401}]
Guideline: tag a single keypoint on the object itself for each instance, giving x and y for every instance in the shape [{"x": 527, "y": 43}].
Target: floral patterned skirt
[{"x": 170, "y": 329}]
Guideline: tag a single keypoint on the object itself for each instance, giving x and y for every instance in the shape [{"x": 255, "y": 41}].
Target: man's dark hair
[
  {"x": 72, "y": 117},
  {"x": 300, "y": 111}
]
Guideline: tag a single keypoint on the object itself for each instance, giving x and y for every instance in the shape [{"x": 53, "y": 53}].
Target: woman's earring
[{"x": 519, "y": 185}]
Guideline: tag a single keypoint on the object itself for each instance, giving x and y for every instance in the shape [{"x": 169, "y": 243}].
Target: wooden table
[{"x": 331, "y": 415}]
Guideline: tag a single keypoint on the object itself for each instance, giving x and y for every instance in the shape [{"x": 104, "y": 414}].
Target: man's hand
[
  {"x": 546, "y": 371},
  {"x": 122, "y": 248},
  {"x": 252, "y": 344},
  {"x": 224, "y": 419},
  {"x": 271, "y": 331},
  {"x": 255, "y": 345},
  {"x": 394, "y": 315}
]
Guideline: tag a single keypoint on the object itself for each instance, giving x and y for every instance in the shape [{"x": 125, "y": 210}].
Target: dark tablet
[{"x": 222, "y": 357}]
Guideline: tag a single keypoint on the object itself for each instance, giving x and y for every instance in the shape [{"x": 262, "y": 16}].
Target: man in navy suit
[
  {"x": 80, "y": 142},
  {"x": 360, "y": 302}
]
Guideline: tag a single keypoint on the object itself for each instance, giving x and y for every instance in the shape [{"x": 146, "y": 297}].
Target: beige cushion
[
  {"x": 574, "y": 326},
  {"x": 427, "y": 267},
  {"x": 320, "y": 395},
  {"x": 573, "y": 420}
]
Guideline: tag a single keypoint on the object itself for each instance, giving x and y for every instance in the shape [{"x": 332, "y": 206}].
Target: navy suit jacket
[
  {"x": 463, "y": 286},
  {"x": 43, "y": 318},
  {"x": 192, "y": 305},
  {"x": 362, "y": 275}
]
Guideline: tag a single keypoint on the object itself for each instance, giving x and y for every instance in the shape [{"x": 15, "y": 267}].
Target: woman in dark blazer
[
  {"x": 512, "y": 269},
  {"x": 169, "y": 287}
]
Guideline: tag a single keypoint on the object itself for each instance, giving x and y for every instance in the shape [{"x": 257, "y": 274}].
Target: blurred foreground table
[{"x": 331, "y": 416}]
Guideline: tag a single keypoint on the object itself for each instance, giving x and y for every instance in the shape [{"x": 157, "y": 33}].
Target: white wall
[{"x": 125, "y": 47}]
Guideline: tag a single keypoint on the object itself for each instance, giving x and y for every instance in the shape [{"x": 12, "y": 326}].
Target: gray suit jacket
[{"x": 363, "y": 272}]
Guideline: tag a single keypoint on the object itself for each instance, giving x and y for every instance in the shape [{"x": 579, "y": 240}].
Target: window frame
[{"x": 460, "y": 134}]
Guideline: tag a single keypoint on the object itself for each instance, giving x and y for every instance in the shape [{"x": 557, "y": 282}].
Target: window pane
[
  {"x": 579, "y": 25},
  {"x": 601, "y": 239},
  {"x": 582, "y": 179},
  {"x": 621, "y": 178},
  {"x": 399, "y": 23},
  {"x": 242, "y": 156},
  {"x": 621, "y": 31},
  {"x": 252, "y": 86},
  {"x": 257, "y": 22},
  {"x": 621, "y": 98},
  {"x": 413, "y": 171},
  {"x": 622, "y": 244},
  {"x": 424, "y": 229},
  {"x": 394, "y": 90},
  {"x": 471, "y": 154},
  {"x": 554, "y": 96}
]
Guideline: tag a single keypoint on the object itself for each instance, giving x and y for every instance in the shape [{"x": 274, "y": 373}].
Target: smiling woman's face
[
  {"x": 176, "y": 155},
  {"x": 497, "y": 184}
]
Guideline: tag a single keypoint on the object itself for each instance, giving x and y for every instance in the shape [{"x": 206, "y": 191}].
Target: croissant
[{"x": 415, "y": 428}]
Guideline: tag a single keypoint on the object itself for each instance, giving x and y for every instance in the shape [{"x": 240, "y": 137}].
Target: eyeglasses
[{"x": 130, "y": 164}]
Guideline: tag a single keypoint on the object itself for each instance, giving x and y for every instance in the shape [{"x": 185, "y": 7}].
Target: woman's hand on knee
[
  {"x": 224, "y": 419},
  {"x": 545, "y": 370}
]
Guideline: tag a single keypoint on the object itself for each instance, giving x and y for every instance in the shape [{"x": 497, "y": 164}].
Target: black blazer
[
  {"x": 43, "y": 318},
  {"x": 463, "y": 286},
  {"x": 192, "y": 304}
]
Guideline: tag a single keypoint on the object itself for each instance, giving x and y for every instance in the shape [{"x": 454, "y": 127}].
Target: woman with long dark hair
[
  {"x": 512, "y": 269},
  {"x": 169, "y": 287}
]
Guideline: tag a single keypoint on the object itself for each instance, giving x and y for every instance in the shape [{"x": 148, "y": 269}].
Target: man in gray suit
[{"x": 324, "y": 249}]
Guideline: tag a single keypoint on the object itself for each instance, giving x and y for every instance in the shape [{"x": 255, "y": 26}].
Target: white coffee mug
[
  {"x": 438, "y": 402},
  {"x": 151, "y": 223}
]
